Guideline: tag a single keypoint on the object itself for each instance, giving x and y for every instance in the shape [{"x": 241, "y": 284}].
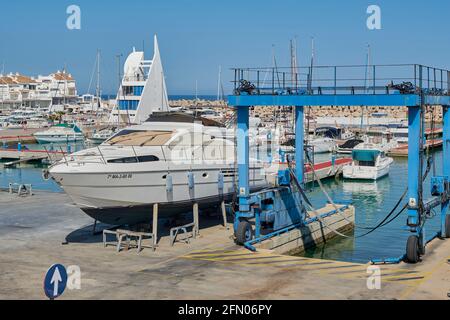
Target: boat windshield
[{"x": 140, "y": 138}]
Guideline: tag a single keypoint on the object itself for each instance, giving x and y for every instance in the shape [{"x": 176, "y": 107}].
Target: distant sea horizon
[{"x": 173, "y": 97}]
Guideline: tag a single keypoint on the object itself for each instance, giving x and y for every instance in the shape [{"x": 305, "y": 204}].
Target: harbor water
[{"x": 372, "y": 200}]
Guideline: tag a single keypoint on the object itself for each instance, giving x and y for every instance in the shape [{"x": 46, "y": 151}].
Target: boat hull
[
  {"x": 144, "y": 213},
  {"x": 352, "y": 172},
  {"x": 60, "y": 139},
  {"x": 126, "y": 197},
  {"x": 322, "y": 146}
]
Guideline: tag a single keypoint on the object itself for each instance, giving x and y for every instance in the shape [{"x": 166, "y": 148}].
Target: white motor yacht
[
  {"x": 61, "y": 133},
  {"x": 369, "y": 163},
  {"x": 321, "y": 145},
  {"x": 172, "y": 164},
  {"x": 102, "y": 135}
]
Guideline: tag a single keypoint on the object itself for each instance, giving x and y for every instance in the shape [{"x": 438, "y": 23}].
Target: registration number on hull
[{"x": 120, "y": 176}]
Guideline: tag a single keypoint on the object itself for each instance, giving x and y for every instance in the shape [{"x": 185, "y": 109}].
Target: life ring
[{"x": 45, "y": 175}]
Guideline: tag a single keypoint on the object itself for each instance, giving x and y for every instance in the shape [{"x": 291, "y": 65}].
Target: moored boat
[
  {"x": 369, "y": 163},
  {"x": 61, "y": 133},
  {"x": 172, "y": 164}
]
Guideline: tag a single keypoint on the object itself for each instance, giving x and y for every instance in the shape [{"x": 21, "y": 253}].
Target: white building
[
  {"x": 43, "y": 92},
  {"x": 143, "y": 88}
]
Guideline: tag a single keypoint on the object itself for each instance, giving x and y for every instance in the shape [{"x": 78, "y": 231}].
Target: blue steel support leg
[
  {"x": 414, "y": 119},
  {"x": 242, "y": 161},
  {"x": 257, "y": 223},
  {"x": 446, "y": 166},
  {"x": 299, "y": 142}
]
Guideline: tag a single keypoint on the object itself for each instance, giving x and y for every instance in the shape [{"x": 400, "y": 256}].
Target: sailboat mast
[
  {"x": 98, "y": 79},
  {"x": 293, "y": 47},
  {"x": 219, "y": 82},
  {"x": 311, "y": 66},
  {"x": 196, "y": 91},
  {"x": 367, "y": 76}
]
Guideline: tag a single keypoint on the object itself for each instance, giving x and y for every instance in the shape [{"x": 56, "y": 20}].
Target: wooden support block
[
  {"x": 155, "y": 226},
  {"x": 196, "y": 220},
  {"x": 224, "y": 214}
]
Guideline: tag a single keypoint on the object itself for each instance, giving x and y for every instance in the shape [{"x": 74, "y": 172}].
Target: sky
[{"x": 197, "y": 36}]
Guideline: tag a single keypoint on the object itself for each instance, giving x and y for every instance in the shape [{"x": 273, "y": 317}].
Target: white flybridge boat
[
  {"x": 173, "y": 162},
  {"x": 369, "y": 163},
  {"x": 60, "y": 133},
  {"x": 172, "y": 159},
  {"x": 142, "y": 90}
]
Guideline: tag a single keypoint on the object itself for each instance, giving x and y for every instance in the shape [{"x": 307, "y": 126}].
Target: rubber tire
[
  {"x": 447, "y": 226},
  {"x": 244, "y": 232},
  {"x": 412, "y": 250},
  {"x": 422, "y": 249}
]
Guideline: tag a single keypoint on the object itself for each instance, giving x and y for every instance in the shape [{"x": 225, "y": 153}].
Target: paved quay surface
[{"x": 33, "y": 229}]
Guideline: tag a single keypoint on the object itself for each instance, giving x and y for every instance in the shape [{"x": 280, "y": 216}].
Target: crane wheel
[
  {"x": 412, "y": 249},
  {"x": 244, "y": 232}
]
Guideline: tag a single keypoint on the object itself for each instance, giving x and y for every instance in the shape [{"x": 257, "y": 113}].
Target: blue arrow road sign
[{"x": 55, "y": 281}]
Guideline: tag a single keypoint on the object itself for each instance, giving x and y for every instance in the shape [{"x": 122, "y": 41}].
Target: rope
[
  {"x": 339, "y": 210},
  {"x": 310, "y": 206}
]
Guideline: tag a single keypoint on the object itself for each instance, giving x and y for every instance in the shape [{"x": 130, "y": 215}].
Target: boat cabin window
[
  {"x": 401, "y": 134},
  {"x": 135, "y": 159},
  {"x": 366, "y": 163},
  {"x": 140, "y": 138}
]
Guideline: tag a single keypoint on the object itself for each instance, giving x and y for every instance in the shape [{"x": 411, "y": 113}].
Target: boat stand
[
  {"x": 175, "y": 231},
  {"x": 128, "y": 235},
  {"x": 22, "y": 190}
]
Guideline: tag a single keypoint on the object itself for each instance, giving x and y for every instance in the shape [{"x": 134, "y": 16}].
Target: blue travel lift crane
[{"x": 282, "y": 208}]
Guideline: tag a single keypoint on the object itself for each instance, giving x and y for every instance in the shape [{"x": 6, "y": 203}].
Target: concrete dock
[
  {"x": 31, "y": 155},
  {"x": 402, "y": 150},
  {"x": 32, "y": 231},
  {"x": 18, "y": 135}
]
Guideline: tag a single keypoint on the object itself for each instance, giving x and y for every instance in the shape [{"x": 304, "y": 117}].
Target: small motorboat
[
  {"x": 369, "y": 163},
  {"x": 102, "y": 135},
  {"x": 61, "y": 133},
  {"x": 348, "y": 146}
]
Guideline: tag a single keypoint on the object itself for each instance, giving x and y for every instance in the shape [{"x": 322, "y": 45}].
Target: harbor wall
[
  {"x": 299, "y": 240},
  {"x": 339, "y": 113}
]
